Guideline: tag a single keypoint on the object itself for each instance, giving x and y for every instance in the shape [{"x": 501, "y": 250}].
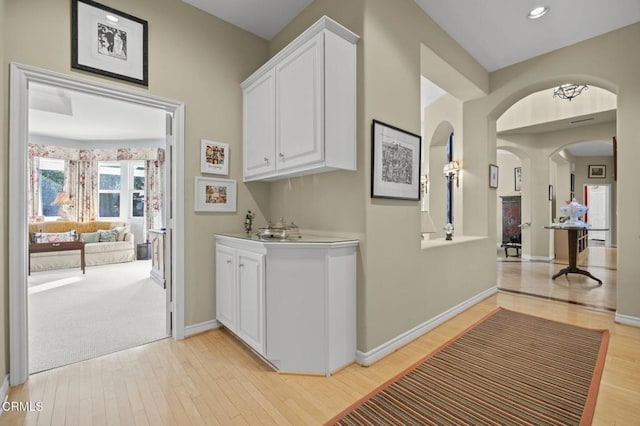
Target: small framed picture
[
  {"x": 108, "y": 42},
  {"x": 215, "y": 195},
  {"x": 517, "y": 177},
  {"x": 214, "y": 157},
  {"x": 597, "y": 171},
  {"x": 550, "y": 192},
  {"x": 493, "y": 176},
  {"x": 395, "y": 157}
]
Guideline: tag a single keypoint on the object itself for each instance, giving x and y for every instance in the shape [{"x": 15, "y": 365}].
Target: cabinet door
[
  {"x": 226, "y": 286},
  {"x": 300, "y": 106},
  {"x": 259, "y": 128},
  {"x": 251, "y": 317}
]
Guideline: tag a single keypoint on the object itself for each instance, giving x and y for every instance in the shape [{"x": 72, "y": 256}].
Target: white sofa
[{"x": 96, "y": 253}]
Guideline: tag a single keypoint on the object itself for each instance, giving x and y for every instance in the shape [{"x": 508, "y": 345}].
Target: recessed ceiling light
[
  {"x": 538, "y": 12},
  {"x": 112, "y": 18}
]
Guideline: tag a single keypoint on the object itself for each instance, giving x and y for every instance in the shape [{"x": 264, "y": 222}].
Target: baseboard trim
[
  {"x": 627, "y": 320},
  {"x": 368, "y": 358},
  {"x": 537, "y": 258},
  {"x": 4, "y": 391},
  {"x": 190, "y": 330}
]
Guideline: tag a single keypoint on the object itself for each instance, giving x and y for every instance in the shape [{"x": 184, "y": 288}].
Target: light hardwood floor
[
  {"x": 211, "y": 378},
  {"x": 534, "y": 278}
]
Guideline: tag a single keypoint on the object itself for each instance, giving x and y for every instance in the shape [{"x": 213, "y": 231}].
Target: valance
[{"x": 97, "y": 154}]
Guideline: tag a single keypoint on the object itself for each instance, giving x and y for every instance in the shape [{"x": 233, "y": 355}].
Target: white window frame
[
  {"x": 132, "y": 166},
  {"x": 109, "y": 191},
  {"x": 55, "y": 164}
]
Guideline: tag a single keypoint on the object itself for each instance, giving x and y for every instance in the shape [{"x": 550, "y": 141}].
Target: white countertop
[{"x": 305, "y": 239}]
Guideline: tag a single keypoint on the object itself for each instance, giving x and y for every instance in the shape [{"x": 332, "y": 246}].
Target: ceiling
[
  {"x": 496, "y": 33},
  {"x": 264, "y": 18},
  {"x": 75, "y": 116}
]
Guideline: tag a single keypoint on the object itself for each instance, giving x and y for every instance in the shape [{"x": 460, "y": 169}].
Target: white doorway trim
[{"x": 21, "y": 75}]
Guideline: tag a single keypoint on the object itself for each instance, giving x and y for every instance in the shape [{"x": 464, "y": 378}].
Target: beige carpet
[{"x": 73, "y": 317}]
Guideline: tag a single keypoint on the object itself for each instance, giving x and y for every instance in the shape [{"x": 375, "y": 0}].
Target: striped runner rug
[{"x": 508, "y": 369}]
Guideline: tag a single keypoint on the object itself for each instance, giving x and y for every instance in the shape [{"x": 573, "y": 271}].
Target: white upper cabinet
[
  {"x": 299, "y": 108},
  {"x": 259, "y": 130}
]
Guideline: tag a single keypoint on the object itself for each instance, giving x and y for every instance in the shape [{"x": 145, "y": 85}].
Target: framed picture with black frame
[
  {"x": 109, "y": 42},
  {"x": 493, "y": 176},
  {"x": 395, "y": 162},
  {"x": 597, "y": 171}
]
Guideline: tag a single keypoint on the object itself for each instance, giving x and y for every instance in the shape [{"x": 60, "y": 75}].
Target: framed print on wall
[
  {"x": 597, "y": 171},
  {"x": 108, "y": 42},
  {"x": 395, "y": 158},
  {"x": 214, "y": 157},
  {"x": 493, "y": 176},
  {"x": 215, "y": 195}
]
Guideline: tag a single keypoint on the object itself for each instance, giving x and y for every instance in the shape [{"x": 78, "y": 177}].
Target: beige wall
[
  {"x": 399, "y": 285},
  {"x": 405, "y": 285},
  {"x": 4, "y": 195},
  {"x": 334, "y": 201},
  {"x": 194, "y": 58}
]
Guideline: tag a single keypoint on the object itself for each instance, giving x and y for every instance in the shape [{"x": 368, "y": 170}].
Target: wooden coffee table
[{"x": 52, "y": 247}]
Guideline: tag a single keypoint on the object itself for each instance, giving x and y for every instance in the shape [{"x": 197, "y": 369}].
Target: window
[
  {"x": 51, "y": 182},
  {"x": 137, "y": 185},
  {"x": 449, "y": 194},
  {"x": 122, "y": 189},
  {"x": 109, "y": 189}
]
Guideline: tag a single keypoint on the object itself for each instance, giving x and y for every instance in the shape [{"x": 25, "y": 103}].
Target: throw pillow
[
  {"x": 54, "y": 237},
  {"x": 90, "y": 237},
  {"x": 109, "y": 236},
  {"x": 122, "y": 230}
]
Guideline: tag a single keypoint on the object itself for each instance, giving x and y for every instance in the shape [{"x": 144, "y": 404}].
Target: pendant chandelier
[{"x": 569, "y": 90}]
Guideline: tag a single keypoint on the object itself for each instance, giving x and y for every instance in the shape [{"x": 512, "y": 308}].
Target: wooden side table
[
  {"x": 53, "y": 247},
  {"x": 572, "y": 235}
]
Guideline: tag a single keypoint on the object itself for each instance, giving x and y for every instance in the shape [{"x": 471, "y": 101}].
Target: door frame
[
  {"x": 607, "y": 208},
  {"x": 20, "y": 77}
]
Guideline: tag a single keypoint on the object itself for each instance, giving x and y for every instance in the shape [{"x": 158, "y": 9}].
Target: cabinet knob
[
  {"x": 282, "y": 156},
  {"x": 266, "y": 159},
  {"x": 241, "y": 265},
  {"x": 228, "y": 261}
]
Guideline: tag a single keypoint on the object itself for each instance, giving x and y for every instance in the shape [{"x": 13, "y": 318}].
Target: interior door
[{"x": 597, "y": 199}]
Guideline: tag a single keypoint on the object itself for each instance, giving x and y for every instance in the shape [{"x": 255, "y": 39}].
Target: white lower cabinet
[
  {"x": 250, "y": 282},
  {"x": 240, "y": 294},
  {"x": 294, "y": 303}
]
